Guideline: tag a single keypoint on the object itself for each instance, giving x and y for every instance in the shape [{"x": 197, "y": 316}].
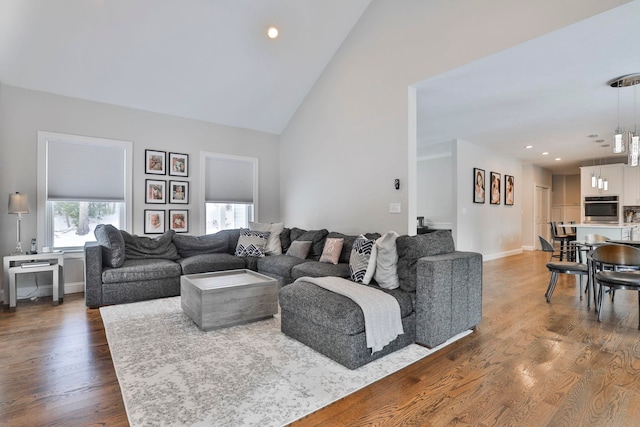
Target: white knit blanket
[{"x": 382, "y": 319}]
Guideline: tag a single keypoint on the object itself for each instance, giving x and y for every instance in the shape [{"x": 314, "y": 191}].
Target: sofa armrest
[
  {"x": 93, "y": 274},
  {"x": 448, "y": 296}
]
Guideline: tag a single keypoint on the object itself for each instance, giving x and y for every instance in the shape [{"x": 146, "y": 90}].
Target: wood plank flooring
[{"x": 528, "y": 363}]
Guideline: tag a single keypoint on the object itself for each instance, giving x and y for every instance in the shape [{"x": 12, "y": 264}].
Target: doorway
[{"x": 541, "y": 209}]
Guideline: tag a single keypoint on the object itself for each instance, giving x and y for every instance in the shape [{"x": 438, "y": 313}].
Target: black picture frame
[
  {"x": 155, "y": 162},
  {"x": 478, "y": 185},
  {"x": 495, "y": 194},
  {"x": 154, "y": 221},
  {"x": 178, "y": 164},
  {"x": 179, "y": 192},
  {"x": 179, "y": 220},
  {"x": 509, "y": 190},
  {"x": 155, "y": 191}
]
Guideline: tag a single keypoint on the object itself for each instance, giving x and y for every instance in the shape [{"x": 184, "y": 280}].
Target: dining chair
[
  {"x": 561, "y": 267},
  {"x": 563, "y": 239},
  {"x": 623, "y": 273}
]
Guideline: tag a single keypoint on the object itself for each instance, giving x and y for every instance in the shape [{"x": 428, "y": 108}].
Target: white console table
[{"x": 33, "y": 263}]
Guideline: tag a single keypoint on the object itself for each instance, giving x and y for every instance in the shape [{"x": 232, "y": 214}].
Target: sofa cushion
[
  {"x": 274, "y": 245},
  {"x": 336, "y": 312},
  {"x": 134, "y": 270},
  {"x": 112, "y": 242},
  {"x": 362, "y": 263},
  {"x": 332, "y": 249},
  {"x": 211, "y": 262},
  {"x": 251, "y": 243},
  {"x": 387, "y": 261},
  {"x": 319, "y": 269},
  {"x": 197, "y": 245},
  {"x": 279, "y": 265},
  {"x": 412, "y": 248},
  {"x": 141, "y": 247},
  {"x": 285, "y": 239},
  {"x": 299, "y": 249},
  {"x": 316, "y": 237}
]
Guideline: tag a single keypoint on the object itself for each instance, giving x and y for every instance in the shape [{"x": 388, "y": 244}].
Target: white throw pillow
[
  {"x": 274, "y": 246},
  {"x": 387, "y": 260}
]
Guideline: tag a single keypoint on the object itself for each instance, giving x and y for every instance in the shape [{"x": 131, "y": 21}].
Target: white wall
[
  {"x": 24, "y": 112},
  {"x": 532, "y": 175},
  {"x": 435, "y": 191},
  {"x": 349, "y": 139}
]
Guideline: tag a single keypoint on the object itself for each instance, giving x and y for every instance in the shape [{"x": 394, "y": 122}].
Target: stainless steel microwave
[{"x": 601, "y": 209}]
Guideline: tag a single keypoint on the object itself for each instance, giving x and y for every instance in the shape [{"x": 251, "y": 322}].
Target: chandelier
[{"x": 621, "y": 139}]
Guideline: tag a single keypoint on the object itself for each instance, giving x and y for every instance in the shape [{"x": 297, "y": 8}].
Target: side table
[{"x": 33, "y": 263}]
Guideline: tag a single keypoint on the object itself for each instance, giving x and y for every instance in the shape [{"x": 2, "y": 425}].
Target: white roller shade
[
  {"x": 85, "y": 172},
  {"x": 228, "y": 180}
]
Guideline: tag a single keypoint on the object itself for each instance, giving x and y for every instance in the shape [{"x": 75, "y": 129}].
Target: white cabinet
[
  {"x": 613, "y": 174},
  {"x": 631, "y": 193}
]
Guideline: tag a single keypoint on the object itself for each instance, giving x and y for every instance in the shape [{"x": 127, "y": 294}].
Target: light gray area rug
[{"x": 173, "y": 374}]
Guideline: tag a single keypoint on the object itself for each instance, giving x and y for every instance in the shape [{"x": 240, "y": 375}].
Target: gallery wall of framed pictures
[
  {"x": 492, "y": 189},
  {"x": 166, "y": 191}
]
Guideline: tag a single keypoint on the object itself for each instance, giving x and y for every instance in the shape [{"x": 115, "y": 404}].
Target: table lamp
[{"x": 18, "y": 204}]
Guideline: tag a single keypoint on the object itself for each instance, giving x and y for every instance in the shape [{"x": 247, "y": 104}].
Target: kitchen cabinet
[
  {"x": 613, "y": 174},
  {"x": 631, "y": 193}
]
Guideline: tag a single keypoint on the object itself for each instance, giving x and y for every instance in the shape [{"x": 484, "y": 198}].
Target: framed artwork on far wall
[
  {"x": 155, "y": 191},
  {"x": 478, "y": 185},
  {"x": 508, "y": 190},
  {"x": 179, "y": 192},
  {"x": 495, "y": 188},
  {"x": 178, "y": 164},
  {"x": 155, "y": 162},
  {"x": 179, "y": 221},
  {"x": 153, "y": 221}
]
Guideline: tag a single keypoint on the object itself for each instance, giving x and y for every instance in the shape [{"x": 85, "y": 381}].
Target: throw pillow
[
  {"x": 274, "y": 245},
  {"x": 316, "y": 237},
  {"x": 362, "y": 263},
  {"x": 387, "y": 260},
  {"x": 332, "y": 250},
  {"x": 210, "y": 244},
  {"x": 299, "y": 249},
  {"x": 142, "y": 247},
  {"x": 112, "y": 242},
  {"x": 251, "y": 243}
]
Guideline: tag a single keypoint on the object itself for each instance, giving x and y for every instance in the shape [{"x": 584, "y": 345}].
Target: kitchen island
[{"x": 622, "y": 231}]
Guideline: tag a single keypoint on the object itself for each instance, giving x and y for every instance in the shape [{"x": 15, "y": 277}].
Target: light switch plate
[{"x": 395, "y": 208}]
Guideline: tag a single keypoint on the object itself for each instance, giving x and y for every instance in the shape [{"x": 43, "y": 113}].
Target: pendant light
[
  {"x": 634, "y": 138},
  {"x": 619, "y": 135}
]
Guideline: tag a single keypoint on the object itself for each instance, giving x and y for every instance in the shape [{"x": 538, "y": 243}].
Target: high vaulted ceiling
[
  {"x": 550, "y": 92},
  {"x": 203, "y": 59}
]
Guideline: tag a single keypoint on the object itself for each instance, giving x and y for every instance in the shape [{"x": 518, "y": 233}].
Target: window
[
  {"x": 230, "y": 191},
  {"x": 82, "y": 182}
]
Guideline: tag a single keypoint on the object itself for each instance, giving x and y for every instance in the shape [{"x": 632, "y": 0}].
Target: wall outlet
[{"x": 395, "y": 208}]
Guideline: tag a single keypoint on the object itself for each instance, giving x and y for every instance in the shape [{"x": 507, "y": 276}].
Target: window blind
[
  {"x": 228, "y": 180},
  {"x": 85, "y": 172}
]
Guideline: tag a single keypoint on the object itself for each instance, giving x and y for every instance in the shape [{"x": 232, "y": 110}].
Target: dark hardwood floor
[{"x": 528, "y": 363}]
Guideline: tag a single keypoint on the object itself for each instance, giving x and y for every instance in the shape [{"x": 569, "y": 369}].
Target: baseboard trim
[
  {"x": 47, "y": 290},
  {"x": 502, "y": 254}
]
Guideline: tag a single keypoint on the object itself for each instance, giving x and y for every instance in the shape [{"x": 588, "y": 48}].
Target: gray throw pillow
[
  {"x": 299, "y": 248},
  {"x": 316, "y": 237},
  {"x": 113, "y": 247},
  {"x": 209, "y": 244},
  {"x": 141, "y": 247}
]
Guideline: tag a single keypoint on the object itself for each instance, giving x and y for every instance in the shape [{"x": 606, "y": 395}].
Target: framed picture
[
  {"x": 179, "y": 192},
  {"x": 495, "y": 188},
  {"x": 478, "y": 185},
  {"x": 508, "y": 190},
  {"x": 154, "y": 162},
  {"x": 155, "y": 191},
  {"x": 178, "y": 164},
  {"x": 179, "y": 221},
  {"x": 153, "y": 221}
]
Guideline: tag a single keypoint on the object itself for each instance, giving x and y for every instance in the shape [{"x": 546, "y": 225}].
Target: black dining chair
[
  {"x": 616, "y": 268},
  {"x": 563, "y": 240},
  {"x": 561, "y": 267}
]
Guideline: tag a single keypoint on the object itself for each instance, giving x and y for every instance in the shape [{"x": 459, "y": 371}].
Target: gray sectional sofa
[{"x": 439, "y": 293}]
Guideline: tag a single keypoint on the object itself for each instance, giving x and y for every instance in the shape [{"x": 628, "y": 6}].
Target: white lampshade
[{"x": 18, "y": 204}]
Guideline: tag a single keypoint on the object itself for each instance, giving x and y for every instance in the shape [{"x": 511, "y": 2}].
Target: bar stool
[{"x": 563, "y": 239}]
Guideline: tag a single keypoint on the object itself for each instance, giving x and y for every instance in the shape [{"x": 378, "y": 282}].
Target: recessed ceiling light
[
  {"x": 272, "y": 32},
  {"x": 593, "y": 135},
  {"x": 605, "y": 145},
  {"x": 545, "y": 153},
  {"x": 558, "y": 158},
  {"x": 599, "y": 141},
  {"x": 528, "y": 146}
]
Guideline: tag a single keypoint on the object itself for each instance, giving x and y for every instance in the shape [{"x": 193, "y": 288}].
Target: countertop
[{"x": 619, "y": 225}]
